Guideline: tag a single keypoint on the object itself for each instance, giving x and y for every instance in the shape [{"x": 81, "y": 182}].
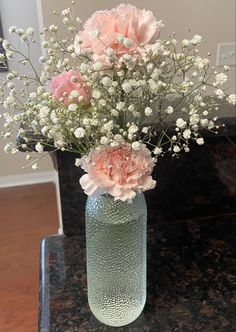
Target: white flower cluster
[{"x": 157, "y": 99}]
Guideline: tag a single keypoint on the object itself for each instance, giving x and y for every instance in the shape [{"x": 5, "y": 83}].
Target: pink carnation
[
  {"x": 67, "y": 82},
  {"x": 119, "y": 171},
  {"x": 139, "y": 26}
]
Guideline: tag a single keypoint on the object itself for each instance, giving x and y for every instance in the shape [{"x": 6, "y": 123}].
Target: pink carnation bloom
[
  {"x": 67, "y": 82},
  {"x": 139, "y": 26},
  {"x": 119, "y": 171}
]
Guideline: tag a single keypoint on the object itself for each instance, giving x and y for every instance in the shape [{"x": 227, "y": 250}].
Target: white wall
[
  {"x": 214, "y": 19},
  {"x": 21, "y": 13}
]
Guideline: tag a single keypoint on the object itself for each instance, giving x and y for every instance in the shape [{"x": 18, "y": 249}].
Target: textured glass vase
[{"x": 116, "y": 258}]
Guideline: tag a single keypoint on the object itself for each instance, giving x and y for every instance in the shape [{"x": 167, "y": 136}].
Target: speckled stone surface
[{"x": 191, "y": 280}]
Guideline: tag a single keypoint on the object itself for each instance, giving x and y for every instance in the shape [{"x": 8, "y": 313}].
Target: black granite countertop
[{"x": 191, "y": 280}]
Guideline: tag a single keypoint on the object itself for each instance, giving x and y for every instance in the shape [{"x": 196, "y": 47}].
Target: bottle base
[{"x": 117, "y": 317}]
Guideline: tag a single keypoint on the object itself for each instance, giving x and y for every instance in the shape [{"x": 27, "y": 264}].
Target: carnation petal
[
  {"x": 148, "y": 183},
  {"x": 90, "y": 188},
  {"x": 148, "y": 28},
  {"x": 127, "y": 194}
]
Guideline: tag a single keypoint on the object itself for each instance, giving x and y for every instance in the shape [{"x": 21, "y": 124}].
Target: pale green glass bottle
[{"x": 116, "y": 258}]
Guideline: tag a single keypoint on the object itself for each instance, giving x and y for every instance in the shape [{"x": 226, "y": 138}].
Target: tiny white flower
[
  {"x": 86, "y": 121},
  {"x": 186, "y": 43},
  {"x": 72, "y": 107},
  {"x": 176, "y": 149},
  {"x": 74, "y": 94},
  {"x": 226, "y": 68},
  {"x": 14, "y": 150},
  {"x": 169, "y": 110},
  {"x": 133, "y": 129},
  {"x": 204, "y": 122},
  {"x": 187, "y": 134},
  {"x": 33, "y": 95},
  {"x": 29, "y": 31},
  {"x": 154, "y": 86},
  {"x": 131, "y": 108},
  {"x": 12, "y": 29},
  {"x": 39, "y": 147},
  {"x": 121, "y": 73},
  {"x": 94, "y": 122},
  {"x": 83, "y": 68},
  {"x": 114, "y": 143},
  {"x": 127, "y": 57},
  {"x": 106, "y": 81},
  {"x": 211, "y": 124},
  {"x": 42, "y": 59},
  {"x": 97, "y": 66},
  {"x": 219, "y": 93},
  {"x": 45, "y": 130},
  {"x": 232, "y": 99},
  {"x": 118, "y": 138},
  {"x": 120, "y": 106},
  {"x": 53, "y": 28},
  {"x": 114, "y": 112},
  {"x": 221, "y": 79},
  {"x": 35, "y": 166},
  {"x": 66, "y": 12},
  {"x": 8, "y": 147},
  {"x": 45, "y": 44},
  {"x": 79, "y": 132},
  {"x": 2, "y": 59},
  {"x": 112, "y": 90},
  {"x": 145, "y": 130},
  {"x": 126, "y": 86},
  {"x": 44, "y": 111},
  {"x": 200, "y": 141},
  {"x": 107, "y": 127},
  {"x": 78, "y": 162},
  {"x": 96, "y": 94},
  {"x": 6, "y": 45},
  {"x": 148, "y": 111},
  {"x": 180, "y": 123},
  {"x": 10, "y": 85},
  {"x": 71, "y": 48},
  {"x": 201, "y": 63},
  {"x": 136, "y": 145},
  {"x": 157, "y": 151},
  {"x": 20, "y": 32},
  {"x": 156, "y": 74},
  {"x": 194, "y": 119},
  {"x": 196, "y": 39},
  {"x": 104, "y": 140}
]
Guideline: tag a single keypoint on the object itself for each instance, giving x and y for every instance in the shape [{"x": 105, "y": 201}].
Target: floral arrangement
[{"x": 113, "y": 92}]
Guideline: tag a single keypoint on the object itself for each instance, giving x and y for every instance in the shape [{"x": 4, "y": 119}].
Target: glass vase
[{"x": 116, "y": 258}]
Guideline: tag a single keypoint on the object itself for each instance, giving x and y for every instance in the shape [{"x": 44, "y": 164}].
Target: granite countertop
[{"x": 191, "y": 280}]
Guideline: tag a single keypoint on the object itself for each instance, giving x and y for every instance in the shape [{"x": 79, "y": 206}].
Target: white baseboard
[{"x": 27, "y": 179}]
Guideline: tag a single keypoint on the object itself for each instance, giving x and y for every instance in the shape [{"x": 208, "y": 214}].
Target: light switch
[{"x": 226, "y": 54}]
